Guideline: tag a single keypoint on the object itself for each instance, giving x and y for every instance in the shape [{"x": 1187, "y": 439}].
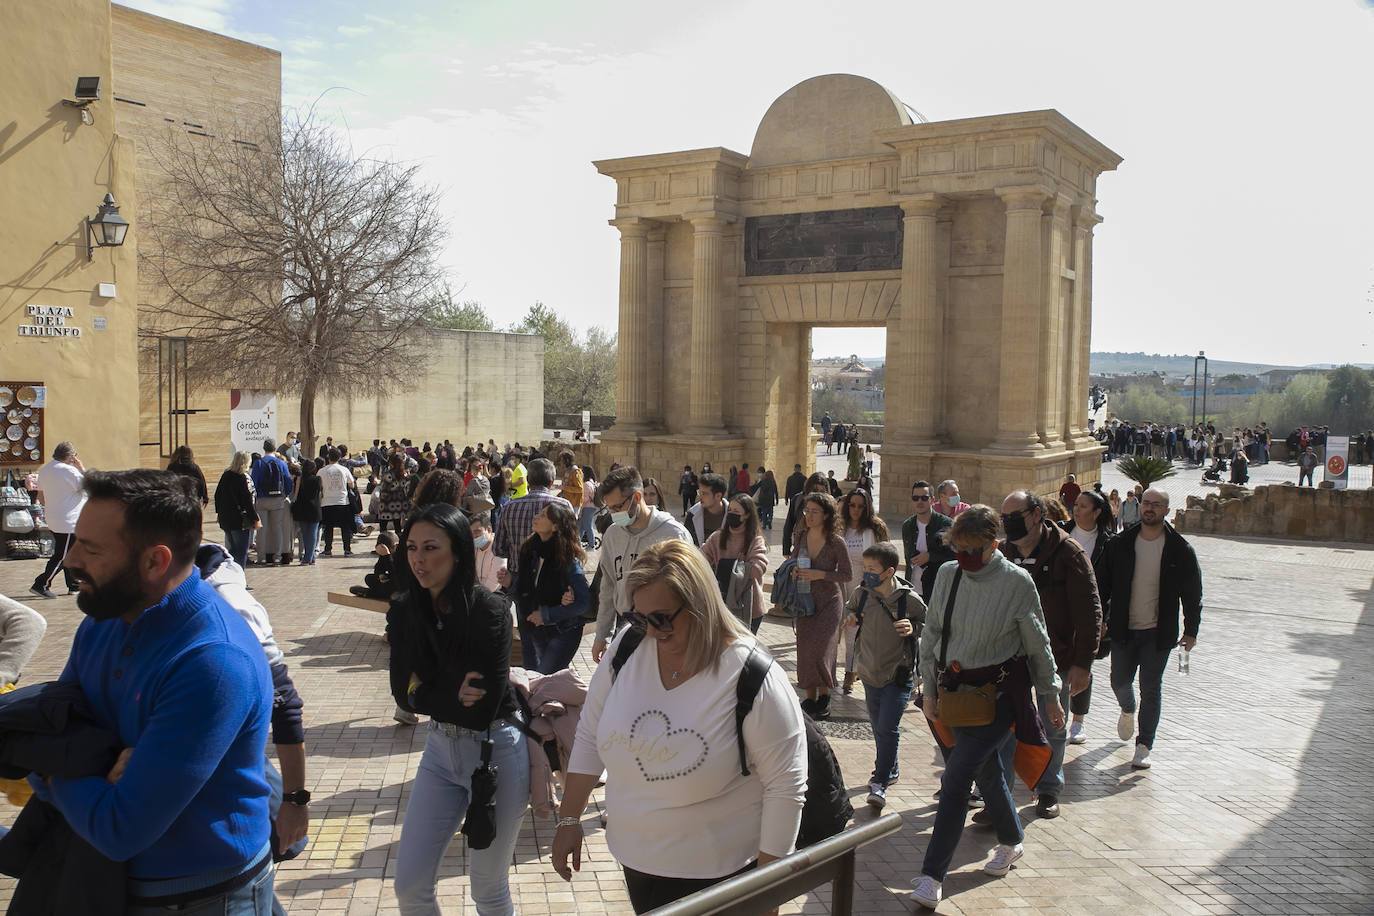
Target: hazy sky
[{"x": 1240, "y": 221}]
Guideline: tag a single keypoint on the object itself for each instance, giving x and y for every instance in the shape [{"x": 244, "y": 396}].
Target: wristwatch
[{"x": 299, "y": 797}]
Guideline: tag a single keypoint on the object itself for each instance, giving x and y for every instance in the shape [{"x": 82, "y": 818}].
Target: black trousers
[
  {"x": 649, "y": 892},
  {"x": 59, "y": 554}
]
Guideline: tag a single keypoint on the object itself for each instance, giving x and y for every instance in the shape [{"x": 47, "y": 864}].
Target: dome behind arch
[{"x": 826, "y": 117}]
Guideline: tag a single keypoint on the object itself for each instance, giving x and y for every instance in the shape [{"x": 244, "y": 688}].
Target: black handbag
[{"x": 479, "y": 826}]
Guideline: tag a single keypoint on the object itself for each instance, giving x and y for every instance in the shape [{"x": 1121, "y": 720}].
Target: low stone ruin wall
[{"x": 1282, "y": 511}]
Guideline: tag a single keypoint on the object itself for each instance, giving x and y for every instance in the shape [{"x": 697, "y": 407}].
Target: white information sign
[{"x": 252, "y": 418}]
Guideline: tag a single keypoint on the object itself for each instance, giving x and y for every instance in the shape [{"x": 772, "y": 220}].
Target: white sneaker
[
  {"x": 1125, "y": 726},
  {"x": 1141, "y": 760},
  {"x": 925, "y": 890},
  {"x": 877, "y": 795},
  {"x": 405, "y": 717},
  {"x": 1076, "y": 732},
  {"x": 1002, "y": 857}
]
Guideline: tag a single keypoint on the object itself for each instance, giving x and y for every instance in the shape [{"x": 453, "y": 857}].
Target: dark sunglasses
[
  {"x": 920, "y": 499},
  {"x": 658, "y": 620}
]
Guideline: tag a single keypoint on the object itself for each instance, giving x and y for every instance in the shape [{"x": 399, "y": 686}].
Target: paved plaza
[{"x": 1259, "y": 800}]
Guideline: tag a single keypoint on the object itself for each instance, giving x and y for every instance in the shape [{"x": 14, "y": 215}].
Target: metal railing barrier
[{"x": 763, "y": 889}]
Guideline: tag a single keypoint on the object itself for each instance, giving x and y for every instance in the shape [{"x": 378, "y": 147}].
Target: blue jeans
[
  {"x": 236, "y": 542},
  {"x": 1138, "y": 651},
  {"x": 556, "y": 646},
  {"x": 438, "y": 801},
  {"x": 974, "y": 756},
  {"x": 310, "y": 539},
  {"x": 885, "y": 706},
  {"x": 766, "y": 516},
  {"x": 1052, "y": 783},
  {"x": 253, "y": 899},
  {"x": 585, "y": 530}
]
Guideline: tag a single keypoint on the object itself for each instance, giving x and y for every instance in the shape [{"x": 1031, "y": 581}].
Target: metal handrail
[{"x": 763, "y": 889}]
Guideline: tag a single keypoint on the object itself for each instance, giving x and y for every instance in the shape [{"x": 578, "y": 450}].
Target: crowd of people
[{"x": 988, "y": 620}]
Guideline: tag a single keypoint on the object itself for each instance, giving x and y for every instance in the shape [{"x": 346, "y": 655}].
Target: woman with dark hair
[
  {"x": 823, "y": 564},
  {"x": 439, "y": 487},
  {"x": 394, "y": 498},
  {"x": 450, "y": 658},
  {"x": 183, "y": 463},
  {"x": 766, "y": 497},
  {"x": 234, "y": 509},
  {"x": 740, "y": 540},
  {"x": 816, "y": 483},
  {"x": 862, "y": 529},
  {"x": 305, "y": 509},
  {"x": 1092, "y": 527},
  {"x": 550, "y": 587},
  {"x": 653, "y": 494}
]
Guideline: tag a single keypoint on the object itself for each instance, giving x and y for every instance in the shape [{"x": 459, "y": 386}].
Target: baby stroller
[{"x": 1213, "y": 473}]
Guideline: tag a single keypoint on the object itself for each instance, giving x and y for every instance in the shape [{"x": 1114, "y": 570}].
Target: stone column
[
  {"x": 912, "y": 414},
  {"x": 1084, "y": 219},
  {"x": 707, "y": 363},
  {"x": 654, "y": 398},
  {"x": 634, "y": 351},
  {"x": 1055, "y": 340},
  {"x": 1022, "y": 291}
]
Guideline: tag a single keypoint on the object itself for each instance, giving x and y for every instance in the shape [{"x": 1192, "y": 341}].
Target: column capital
[
  {"x": 633, "y": 226},
  {"x": 1025, "y": 196},
  {"x": 1062, "y": 205},
  {"x": 708, "y": 221},
  {"x": 921, "y": 205},
  {"x": 1085, "y": 218}
]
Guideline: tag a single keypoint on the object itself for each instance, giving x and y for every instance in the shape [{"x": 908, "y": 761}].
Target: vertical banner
[
  {"x": 1337, "y": 456},
  {"x": 587, "y": 421},
  {"x": 252, "y": 418}
]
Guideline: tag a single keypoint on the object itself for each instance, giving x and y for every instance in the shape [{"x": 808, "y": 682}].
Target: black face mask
[
  {"x": 733, "y": 521},
  {"x": 1015, "y": 526}
]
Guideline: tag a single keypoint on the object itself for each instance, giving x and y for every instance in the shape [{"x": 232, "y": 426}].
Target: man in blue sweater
[{"x": 167, "y": 665}]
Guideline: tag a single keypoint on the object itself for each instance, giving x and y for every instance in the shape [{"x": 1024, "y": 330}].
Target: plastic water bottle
[
  {"x": 803, "y": 585},
  {"x": 1183, "y": 661}
]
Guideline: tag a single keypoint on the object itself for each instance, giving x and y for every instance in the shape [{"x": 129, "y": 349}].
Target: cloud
[
  {"x": 354, "y": 30},
  {"x": 213, "y": 15}
]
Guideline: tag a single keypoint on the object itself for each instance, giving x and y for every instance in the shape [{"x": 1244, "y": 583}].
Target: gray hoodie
[{"x": 619, "y": 548}]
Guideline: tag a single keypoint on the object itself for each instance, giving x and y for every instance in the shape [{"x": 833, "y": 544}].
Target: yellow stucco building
[{"x": 83, "y": 331}]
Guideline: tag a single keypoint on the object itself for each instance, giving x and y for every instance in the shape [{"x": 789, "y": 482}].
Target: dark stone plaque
[{"x": 831, "y": 241}]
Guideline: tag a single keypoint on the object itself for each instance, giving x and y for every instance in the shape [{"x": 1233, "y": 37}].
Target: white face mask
[
  {"x": 482, "y": 542},
  {"x": 952, "y": 501}
]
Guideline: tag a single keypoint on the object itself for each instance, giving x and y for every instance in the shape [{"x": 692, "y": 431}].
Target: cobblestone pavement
[{"x": 1259, "y": 800}]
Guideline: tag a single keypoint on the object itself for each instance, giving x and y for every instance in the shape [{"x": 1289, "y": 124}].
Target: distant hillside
[{"x": 1175, "y": 364}]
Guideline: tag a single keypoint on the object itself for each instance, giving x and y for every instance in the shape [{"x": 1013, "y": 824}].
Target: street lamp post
[{"x": 1200, "y": 358}]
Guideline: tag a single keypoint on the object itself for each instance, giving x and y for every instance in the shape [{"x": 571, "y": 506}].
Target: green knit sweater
[{"x": 997, "y": 616}]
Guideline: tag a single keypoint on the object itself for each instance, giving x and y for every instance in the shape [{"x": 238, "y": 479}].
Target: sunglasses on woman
[{"x": 659, "y": 620}]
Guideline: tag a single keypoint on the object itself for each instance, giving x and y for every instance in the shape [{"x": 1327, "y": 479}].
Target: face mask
[
  {"x": 970, "y": 561},
  {"x": 734, "y": 521},
  {"x": 872, "y": 580},
  {"x": 952, "y": 501},
  {"x": 1015, "y": 526},
  {"x": 482, "y": 542}
]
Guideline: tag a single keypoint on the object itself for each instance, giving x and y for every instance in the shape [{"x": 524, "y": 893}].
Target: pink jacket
[
  {"x": 555, "y": 700},
  {"x": 756, "y": 556}
]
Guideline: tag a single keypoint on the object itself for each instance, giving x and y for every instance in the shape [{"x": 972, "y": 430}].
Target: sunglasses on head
[{"x": 659, "y": 620}]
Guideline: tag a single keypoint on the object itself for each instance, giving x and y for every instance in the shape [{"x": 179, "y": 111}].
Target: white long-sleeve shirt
[{"x": 677, "y": 803}]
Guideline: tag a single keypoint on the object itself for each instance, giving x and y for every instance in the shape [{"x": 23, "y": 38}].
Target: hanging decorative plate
[
  {"x": 6, "y": 396},
  {"x": 27, "y": 396}
]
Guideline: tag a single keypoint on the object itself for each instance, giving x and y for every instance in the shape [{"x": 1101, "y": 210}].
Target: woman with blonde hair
[
  {"x": 234, "y": 509},
  {"x": 660, "y": 721}
]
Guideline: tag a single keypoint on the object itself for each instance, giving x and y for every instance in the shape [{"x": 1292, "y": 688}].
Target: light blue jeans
[{"x": 438, "y": 801}]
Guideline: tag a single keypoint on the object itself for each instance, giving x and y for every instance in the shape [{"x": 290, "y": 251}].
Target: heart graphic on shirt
[{"x": 663, "y": 752}]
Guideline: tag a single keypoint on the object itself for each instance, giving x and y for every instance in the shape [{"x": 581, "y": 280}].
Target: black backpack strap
[
  {"x": 859, "y": 613},
  {"x": 944, "y": 624},
  {"x": 747, "y": 689},
  {"x": 628, "y": 643}
]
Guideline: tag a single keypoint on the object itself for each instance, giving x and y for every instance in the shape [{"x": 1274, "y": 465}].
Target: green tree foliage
[
  {"x": 1349, "y": 399},
  {"x": 1143, "y": 402},
  {"x": 840, "y": 404},
  {"x": 579, "y": 372},
  {"x": 467, "y": 316},
  {"x": 1145, "y": 470}
]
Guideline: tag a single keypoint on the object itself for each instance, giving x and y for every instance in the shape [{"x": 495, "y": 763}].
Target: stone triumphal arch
[{"x": 970, "y": 240}]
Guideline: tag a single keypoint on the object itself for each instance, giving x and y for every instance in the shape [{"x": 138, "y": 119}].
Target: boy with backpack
[{"x": 889, "y": 615}]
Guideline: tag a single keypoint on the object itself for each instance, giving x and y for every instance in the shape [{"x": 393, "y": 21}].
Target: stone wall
[{"x": 1283, "y": 511}]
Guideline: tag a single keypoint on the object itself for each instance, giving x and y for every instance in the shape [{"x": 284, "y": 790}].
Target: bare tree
[{"x": 291, "y": 262}]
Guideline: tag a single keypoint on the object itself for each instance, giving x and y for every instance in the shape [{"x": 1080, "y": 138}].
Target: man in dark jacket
[
  {"x": 1063, "y": 576},
  {"x": 923, "y": 539},
  {"x": 795, "y": 484},
  {"x": 1149, "y": 571}
]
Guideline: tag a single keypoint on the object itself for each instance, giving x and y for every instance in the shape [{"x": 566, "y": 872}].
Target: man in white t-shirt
[
  {"x": 59, "y": 485},
  {"x": 335, "y": 510}
]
